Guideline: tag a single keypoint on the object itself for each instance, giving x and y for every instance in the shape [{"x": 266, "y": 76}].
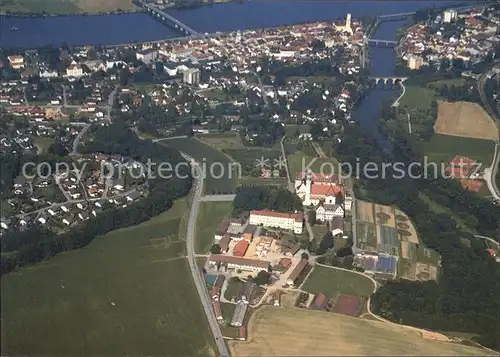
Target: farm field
[
  {"x": 465, "y": 119},
  {"x": 250, "y": 158},
  {"x": 330, "y": 281},
  {"x": 316, "y": 333},
  {"x": 128, "y": 292},
  {"x": 209, "y": 218},
  {"x": 67, "y": 6},
  {"x": 206, "y": 155},
  {"x": 443, "y": 148},
  {"x": 222, "y": 141},
  {"x": 364, "y": 211}
]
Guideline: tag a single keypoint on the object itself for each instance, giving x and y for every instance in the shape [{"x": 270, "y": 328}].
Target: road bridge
[
  {"x": 170, "y": 20},
  {"x": 386, "y": 80},
  {"x": 394, "y": 17},
  {"x": 382, "y": 43}
]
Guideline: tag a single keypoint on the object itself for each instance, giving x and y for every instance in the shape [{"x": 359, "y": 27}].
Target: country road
[
  {"x": 82, "y": 132},
  {"x": 491, "y": 172},
  {"x": 195, "y": 271}
]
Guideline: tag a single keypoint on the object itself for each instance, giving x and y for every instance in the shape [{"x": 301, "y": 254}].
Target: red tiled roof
[
  {"x": 240, "y": 248},
  {"x": 471, "y": 185},
  {"x": 298, "y": 269},
  {"x": 285, "y": 262},
  {"x": 325, "y": 190},
  {"x": 462, "y": 161}
]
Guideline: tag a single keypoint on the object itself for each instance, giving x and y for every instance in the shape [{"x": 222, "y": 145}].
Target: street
[{"x": 195, "y": 272}]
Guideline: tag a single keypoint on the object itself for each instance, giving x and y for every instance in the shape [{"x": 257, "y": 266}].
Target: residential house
[
  {"x": 83, "y": 215},
  {"x": 132, "y": 196},
  {"x": 68, "y": 221},
  {"x": 119, "y": 184},
  {"x": 42, "y": 219}
]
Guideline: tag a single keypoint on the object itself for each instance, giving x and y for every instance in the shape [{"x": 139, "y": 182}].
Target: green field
[
  {"x": 417, "y": 97},
  {"x": 298, "y": 161},
  {"x": 330, "y": 281},
  {"x": 207, "y": 156},
  {"x": 443, "y": 148},
  {"x": 248, "y": 158},
  {"x": 65, "y": 6},
  {"x": 127, "y": 293},
  {"x": 222, "y": 141},
  {"x": 209, "y": 218},
  {"x": 50, "y": 6},
  {"x": 233, "y": 287}
]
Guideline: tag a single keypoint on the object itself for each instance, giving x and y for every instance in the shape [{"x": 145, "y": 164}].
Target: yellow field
[
  {"x": 465, "y": 119},
  {"x": 303, "y": 332},
  {"x": 364, "y": 211},
  {"x": 93, "y": 6}
]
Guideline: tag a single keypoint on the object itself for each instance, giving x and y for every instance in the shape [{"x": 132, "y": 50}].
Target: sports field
[
  {"x": 305, "y": 332},
  {"x": 331, "y": 281},
  {"x": 465, "y": 119},
  {"x": 210, "y": 216},
  {"x": 221, "y": 175},
  {"x": 127, "y": 293}
]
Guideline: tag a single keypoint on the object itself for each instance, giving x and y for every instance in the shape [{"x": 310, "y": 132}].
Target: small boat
[{"x": 14, "y": 28}]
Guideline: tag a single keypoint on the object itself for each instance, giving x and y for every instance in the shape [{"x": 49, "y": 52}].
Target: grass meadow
[
  {"x": 127, "y": 293},
  {"x": 209, "y": 217},
  {"x": 206, "y": 156}
]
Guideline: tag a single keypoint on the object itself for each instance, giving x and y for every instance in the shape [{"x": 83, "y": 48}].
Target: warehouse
[{"x": 239, "y": 314}]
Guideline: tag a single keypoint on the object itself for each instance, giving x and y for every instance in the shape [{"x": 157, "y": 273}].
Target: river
[{"x": 127, "y": 28}]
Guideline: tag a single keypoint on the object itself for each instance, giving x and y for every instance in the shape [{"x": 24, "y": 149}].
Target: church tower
[
  {"x": 307, "y": 198},
  {"x": 348, "y": 23}
]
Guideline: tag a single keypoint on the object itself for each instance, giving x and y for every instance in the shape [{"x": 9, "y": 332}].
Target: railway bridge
[{"x": 170, "y": 20}]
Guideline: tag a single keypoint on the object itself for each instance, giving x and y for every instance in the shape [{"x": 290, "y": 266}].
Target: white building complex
[{"x": 267, "y": 218}]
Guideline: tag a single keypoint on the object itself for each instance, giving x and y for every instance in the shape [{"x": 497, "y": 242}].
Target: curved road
[
  {"x": 195, "y": 271},
  {"x": 490, "y": 172}
]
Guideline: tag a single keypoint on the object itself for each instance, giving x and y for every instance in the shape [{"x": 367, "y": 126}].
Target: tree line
[
  {"x": 264, "y": 197},
  {"x": 466, "y": 296}
]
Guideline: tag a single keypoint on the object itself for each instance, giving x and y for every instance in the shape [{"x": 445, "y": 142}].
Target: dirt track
[
  {"x": 465, "y": 119},
  {"x": 304, "y": 332}
]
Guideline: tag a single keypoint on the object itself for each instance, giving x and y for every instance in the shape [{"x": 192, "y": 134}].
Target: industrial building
[{"x": 239, "y": 314}]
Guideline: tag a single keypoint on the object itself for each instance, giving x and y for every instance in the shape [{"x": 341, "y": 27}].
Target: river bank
[{"x": 43, "y": 14}]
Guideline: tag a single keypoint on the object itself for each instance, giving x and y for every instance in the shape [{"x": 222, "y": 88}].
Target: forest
[
  {"x": 265, "y": 197},
  {"x": 36, "y": 244},
  {"x": 467, "y": 294}
]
